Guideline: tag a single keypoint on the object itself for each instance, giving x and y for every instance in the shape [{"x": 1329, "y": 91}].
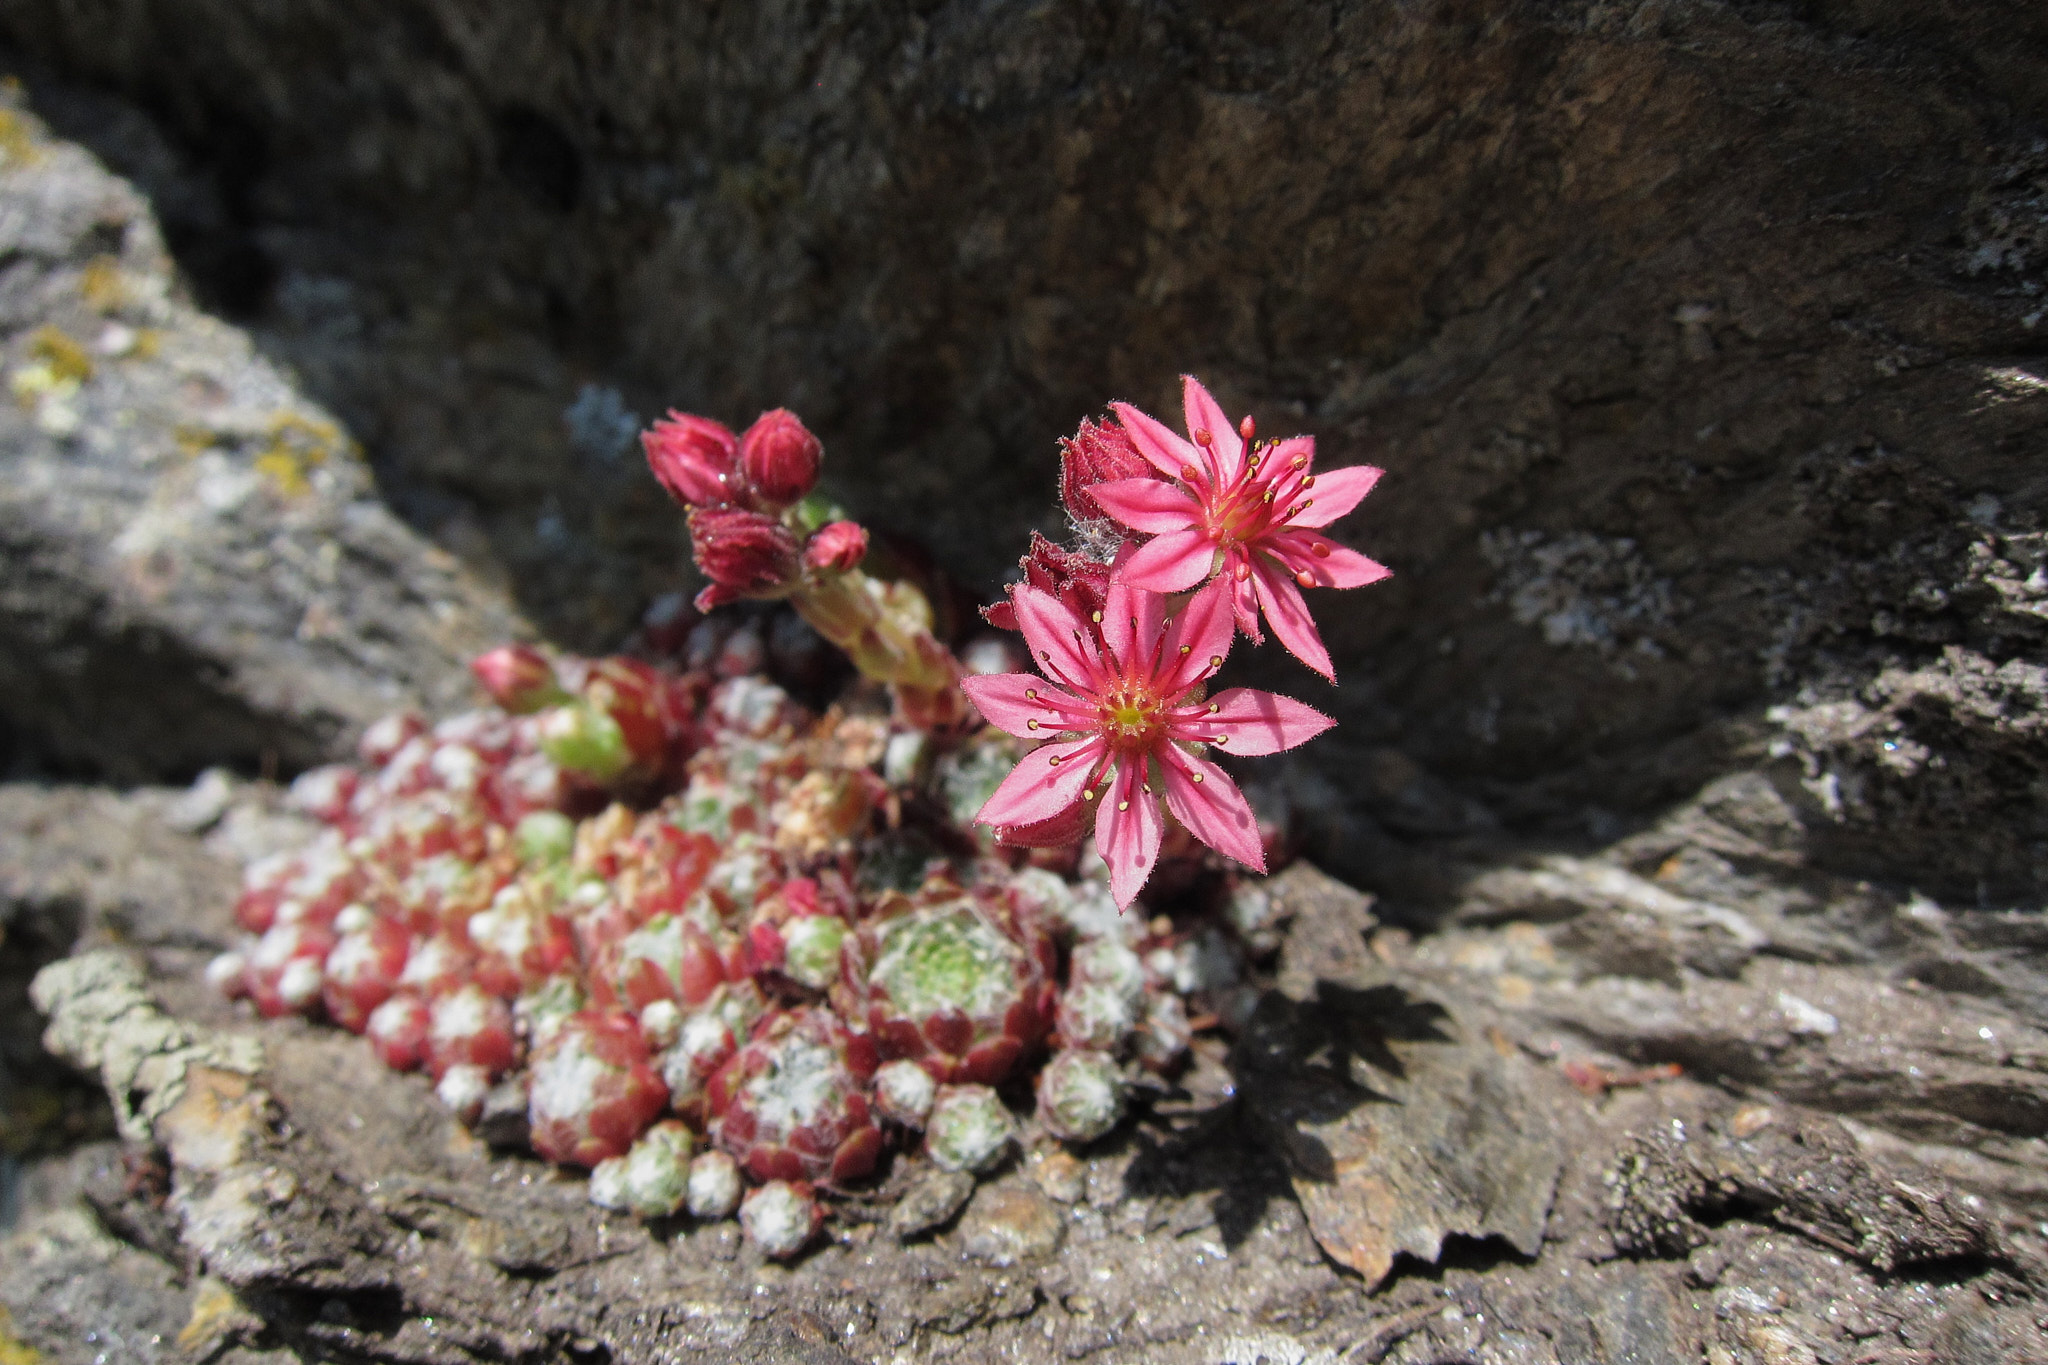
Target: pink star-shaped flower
[
  {"x": 1121, "y": 701},
  {"x": 1255, "y": 515}
]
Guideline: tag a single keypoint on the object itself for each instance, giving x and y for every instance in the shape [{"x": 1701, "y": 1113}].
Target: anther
[
  {"x": 1186, "y": 648},
  {"x": 1322, "y": 551},
  {"x": 1245, "y": 428},
  {"x": 1054, "y": 761},
  {"x": 1088, "y": 794},
  {"x": 1214, "y": 708},
  {"x": 1031, "y": 692},
  {"x": 1196, "y": 776},
  {"x": 1187, "y": 473},
  {"x": 1300, "y": 462},
  {"x": 1268, "y": 497},
  {"x": 1305, "y": 578},
  {"x": 1215, "y": 661},
  {"x": 1309, "y": 482},
  {"x": 1243, "y": 571},
  {"x": 1096, "y": 618},
  {"x": 1202, "y": 436},
  {"x": 1123, "y": 805},
  {"x": 1031, "y": 725}
]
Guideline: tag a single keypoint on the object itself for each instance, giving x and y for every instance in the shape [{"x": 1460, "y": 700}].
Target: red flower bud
[
  {"x": 519, "y": 678},
  {"x": 748, "y": 554},
  {"x": 841, "y": 546},
  {"x": 780, "y": 457},
  {"x": 1097, "y": 453},
  {"x": 696, "y": 459}
]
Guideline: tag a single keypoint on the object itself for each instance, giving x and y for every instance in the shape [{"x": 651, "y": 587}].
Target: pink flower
[
  {"x": 696, "y": 459},
  {"x": 1254, "y": 516},
  {"x": 780, "y": 457},
  {"x": 1122, "y": 703}
]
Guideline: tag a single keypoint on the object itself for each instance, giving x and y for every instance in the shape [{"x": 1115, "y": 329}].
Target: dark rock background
[
  {"x": 1706, "y": 347},
  {"x": 1701, "y": 342}
]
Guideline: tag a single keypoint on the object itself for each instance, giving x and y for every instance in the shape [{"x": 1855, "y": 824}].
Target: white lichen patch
[
  {"x": 1582, "y": 591},
  {"x": 102, "y": 1018}
]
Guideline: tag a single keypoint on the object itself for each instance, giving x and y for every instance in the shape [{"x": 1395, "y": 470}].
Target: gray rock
[
  {"x": 931, "y": 1201},
  {"x": 197, "y": 569},
  {"x": 1550, "y": 272},
  {"x": 1399, "y": 1123}
]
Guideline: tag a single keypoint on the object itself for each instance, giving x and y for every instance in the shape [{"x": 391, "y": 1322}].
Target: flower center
[{"x": 1130, "y": 718}]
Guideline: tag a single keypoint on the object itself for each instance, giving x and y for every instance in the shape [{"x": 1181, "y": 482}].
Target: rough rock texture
[
  {"x": 1702, "y": 342},
  {"x": 1884, "y": 1206},
  {"x": 196, "y": 568},
  {"x": 1695, "y": 753}
]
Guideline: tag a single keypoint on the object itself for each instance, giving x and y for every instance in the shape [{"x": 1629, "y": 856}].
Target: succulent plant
[
  {"x": 470, "y": 1027},
  {"x": 397, "y": 1030},
  {"x": 704, "y": 1042},
  {"x": 963, "y": 983},
  {"x": 1080, "y": 1095},
  {"x": 714, "y": 1185},
  {"x": 969, "y": 1128},
  {"x": 652, "y": 1179},
  {"x": 904, "y": 1092},
  {"x": 592, "y": 1091},
  {"x": 793, "y": 1102},
  {"x": 781, "y": 1218}
]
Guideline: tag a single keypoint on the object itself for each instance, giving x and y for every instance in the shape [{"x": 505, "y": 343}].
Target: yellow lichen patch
[
  {"x": 18, "y": 140},
  {"x": 294, "y": 445},
  {"x": 193, "y": 439},
  {"x": 216, "y": 1315},
  {"x": 102, "y": 284},
  {"x": 65, "y": 357},
  {"x": 13, "y": 1350}
]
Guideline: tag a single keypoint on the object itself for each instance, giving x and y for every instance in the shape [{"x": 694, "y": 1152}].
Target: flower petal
[
  {"x": 1062, "y": 643},
  {"x": 1288, "y": 615},
  {"x": 1327, "y": 564},
  {"x": 1127, "y": 831},
  {"x": 1023, "y": 704},
  {"x": 1202, "y": 797},
  {"x": 1337, "y": 492},
  {"x": 1197, "y": 641},
  {"x": 1168, "y": 453},
  {"x": 1049, "y": 780},
  {"x": 1204, "y": 413},
  {"x": 1132, "y": 620},
  {"x": 1150, "y": 505},
  {"x": 1252, "y": 722},
  {"x": 1173, "y": 562}
]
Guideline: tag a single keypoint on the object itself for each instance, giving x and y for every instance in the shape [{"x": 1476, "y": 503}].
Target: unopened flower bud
[
  {"x": 780, "y": 456},
  {"x": 696, "y": 459},
  {"x": 744, "y": 553},
  {"x": 1099, "y": 452},
  {"x": 518, "y": 677},
  {"x": 839, "y": 546}
]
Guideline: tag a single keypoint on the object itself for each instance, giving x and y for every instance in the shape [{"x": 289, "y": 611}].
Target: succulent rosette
[
  {"x": 593, "y": 1090},
  {"x": 962, "y": 983},
  {"x": 792, "y": 1104}
]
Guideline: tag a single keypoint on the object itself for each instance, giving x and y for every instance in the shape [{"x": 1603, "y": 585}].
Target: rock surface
[
  {"x": 1783, "y": 1196},
  {"x": 197, "y": 568},
  {"x": 1694, "y": 756},
  {"x": 1701, "y": 342}
]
